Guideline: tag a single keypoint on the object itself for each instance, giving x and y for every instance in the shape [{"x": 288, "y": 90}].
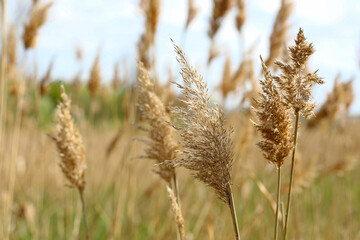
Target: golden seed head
[
  {"x": 69, "y": 144},
  {"x": 192, "y": 13},
  {"x": 274, "y": 122},
  {"x": 37, "y": 19},
  {"x": 220, "y": 9},
  {"x": 279, "y": 33},
  {"x": 294, "y": 81},
  {"x": 206, "y": 143},
  {"x": 95, "y": 76},
  {"x": 241, "y": 14},
  {"x": 161, "y": 146}
]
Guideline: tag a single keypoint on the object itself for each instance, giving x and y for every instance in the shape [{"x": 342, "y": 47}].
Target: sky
[{"x": 333, "y": 26}]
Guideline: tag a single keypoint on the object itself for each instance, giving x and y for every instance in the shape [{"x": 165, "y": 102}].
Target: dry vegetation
[{"x": 98, "y": 138}]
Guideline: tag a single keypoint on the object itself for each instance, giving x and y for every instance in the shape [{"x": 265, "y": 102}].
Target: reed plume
[
  {"x": 79, "y": 53},
  {"x": 116, "y": 77},
  {"x": 193, "y": 11},
  {"x": 206, "y": 143},
  {"x": 95, "y": 76},
  {"x": 296, "y": 85},
  {"x": 227, "y": 85},
  {"x": 70, "y": 145},
  {"x": 279, "y": 32},
  {"x": 274, "y": 121},
  {"x": 241, "y": 14},
  {"x": 274, "y": 124},
  {"x": 220, "y": 9},
  {"x": 151, "y": 10},
  {"x": 71, "y": 150},
  {"x": 46, "y": 79},
  {"x": 37, "y": 19},
  {"x": 161, "y": 146}
]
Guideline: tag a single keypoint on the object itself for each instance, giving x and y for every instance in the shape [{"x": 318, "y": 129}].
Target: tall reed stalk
[
  {"x": 296, "y": 88},
  {"x": 206, "y": 143},
  {"x": 274, "y": 124},
  {"x": 71, "y": 151}
]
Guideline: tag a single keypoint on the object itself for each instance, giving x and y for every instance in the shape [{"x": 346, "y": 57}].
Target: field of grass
[{"x": 138, "y": 160}]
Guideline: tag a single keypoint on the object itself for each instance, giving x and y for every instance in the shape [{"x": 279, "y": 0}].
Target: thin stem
[
  {"x": 179, "y": 235},
  {"x": 233, "y": 212},
  {"x": 277, "y": 204},
  {"x": 81, "y": 192},
  {"x": 176, "y": 189},
  {"x": 292, "y": 174}
]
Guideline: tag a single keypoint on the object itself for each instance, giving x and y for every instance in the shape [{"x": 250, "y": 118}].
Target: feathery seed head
[
  {"x": 95, "y": 76},
  {"x": 192, "y": 13},
  {"x": 161, "y": 146},
  {"x": 206, "y": 144},
  {"x": 70, "y": 145},
  {"x": 37, "y": 19},
  {"x": 294, "y": 81},
  {"x": 220, "y": 9},
  {"x": 241, "y": 14},
  {"x": 279, "y": 33},
  {"x": 274, "y": 121}
]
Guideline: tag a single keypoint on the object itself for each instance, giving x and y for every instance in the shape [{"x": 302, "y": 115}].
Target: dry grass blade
[
  {"x": 279, "y": 33},
  {"x": 161, "y": 146},
  {"x": 37, "y": 19}
]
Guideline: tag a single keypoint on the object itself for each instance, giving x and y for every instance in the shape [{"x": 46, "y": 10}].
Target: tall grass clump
[
  {"x": 206, "y": 144},
  {"x": 71, "y": 150}
]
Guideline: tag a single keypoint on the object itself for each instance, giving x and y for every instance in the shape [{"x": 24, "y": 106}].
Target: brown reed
[
  {"x": 37, "y": 19},
  {"x": 274, "y": 124},
  {"x": 296, "y": 85},
  {"x": 71, "y": 150},
  {"x": 279, "y": 32},
  {"x": 206, "y": 143},
  {"x": 116, "y": 77},
  {"x": 241, "y": 14},
  {"x": 219, "y": 11},
  {"x": 161, "y": 145},
  {"x": 152, "y": 12},
  {"x": 193, "y": 11},
  {"x": 46, "y": 79},
  {"x": 95, "y": 76}
]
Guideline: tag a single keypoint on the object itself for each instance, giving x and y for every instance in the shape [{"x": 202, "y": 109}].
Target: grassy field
[{"x": 111, "y": 161}]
